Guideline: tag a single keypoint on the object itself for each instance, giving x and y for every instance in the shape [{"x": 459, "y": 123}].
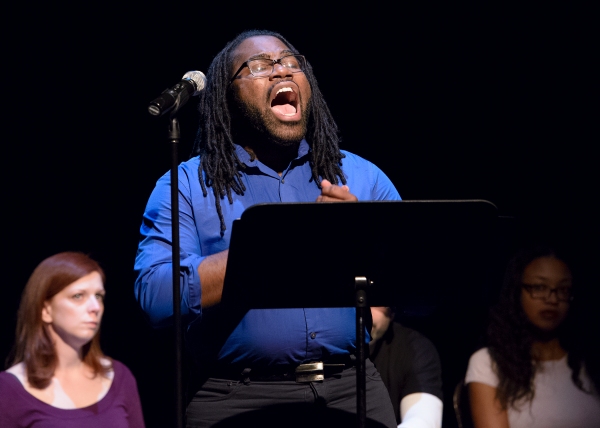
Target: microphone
[{"x": 174, "y": 98}]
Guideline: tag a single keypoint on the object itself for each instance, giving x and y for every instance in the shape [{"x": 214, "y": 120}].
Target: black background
[{"x": 469, "y": 100}]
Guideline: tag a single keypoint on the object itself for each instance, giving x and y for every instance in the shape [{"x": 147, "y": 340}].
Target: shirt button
[
  {"x": 313, "y": 335},
  {"x": 282, "y": 181}
]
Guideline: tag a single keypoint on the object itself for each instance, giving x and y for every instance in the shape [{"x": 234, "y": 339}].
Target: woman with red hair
[{"x": 58, "y": 375}]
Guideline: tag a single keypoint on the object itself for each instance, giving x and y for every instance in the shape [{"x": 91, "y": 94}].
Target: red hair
[{"x": 33, "y": 343}]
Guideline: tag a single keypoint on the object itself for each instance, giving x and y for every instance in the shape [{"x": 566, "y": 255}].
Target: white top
[{"x": 557, "y": 402}]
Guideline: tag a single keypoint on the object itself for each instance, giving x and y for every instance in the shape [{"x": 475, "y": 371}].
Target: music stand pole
[
  {"x": 455, "y": 237},
  {"x": 360, "y": 284}
]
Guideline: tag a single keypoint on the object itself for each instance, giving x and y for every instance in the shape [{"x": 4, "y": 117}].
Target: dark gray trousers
[{"x": 332, "y": 402}]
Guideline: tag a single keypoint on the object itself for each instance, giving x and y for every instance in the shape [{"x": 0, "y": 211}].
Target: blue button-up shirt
[{"x": 263, "y": 336}]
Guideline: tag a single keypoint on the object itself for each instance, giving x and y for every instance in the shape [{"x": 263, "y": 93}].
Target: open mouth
[{"x": 285, "y": 102}]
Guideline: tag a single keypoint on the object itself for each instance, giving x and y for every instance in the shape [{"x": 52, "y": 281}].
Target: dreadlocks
[{"x": 219, "y": 164}]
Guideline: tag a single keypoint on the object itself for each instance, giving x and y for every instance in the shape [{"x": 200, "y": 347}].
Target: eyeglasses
[
  {"x": 263, "y": 67},
  {"x": 541, "y": 291}
]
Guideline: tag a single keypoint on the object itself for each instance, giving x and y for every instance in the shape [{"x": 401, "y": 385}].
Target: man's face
[
  {"x": 277, "y": 104},
  {"x": 382, "y": 317}
]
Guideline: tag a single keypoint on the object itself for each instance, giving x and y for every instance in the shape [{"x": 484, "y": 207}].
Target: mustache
[{"x": 270, "y": 88}]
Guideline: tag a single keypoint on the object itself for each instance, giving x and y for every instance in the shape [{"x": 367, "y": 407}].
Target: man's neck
[{"x": 276, "y": 156}]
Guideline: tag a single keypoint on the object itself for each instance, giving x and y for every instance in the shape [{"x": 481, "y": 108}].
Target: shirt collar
[
  {"x": 303, "y": 149},
  {"x": 244, "y": 156}
]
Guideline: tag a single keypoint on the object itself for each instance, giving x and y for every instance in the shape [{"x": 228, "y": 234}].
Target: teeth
[{"x": 288, "y": 89}]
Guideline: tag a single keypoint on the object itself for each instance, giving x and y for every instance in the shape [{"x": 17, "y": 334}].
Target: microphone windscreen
[{"x": 198, "y": 78}]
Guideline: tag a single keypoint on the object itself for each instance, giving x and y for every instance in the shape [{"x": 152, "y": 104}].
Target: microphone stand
[
  {"x": 174, "y": 137},
  {"x": 171, "y": 100}
]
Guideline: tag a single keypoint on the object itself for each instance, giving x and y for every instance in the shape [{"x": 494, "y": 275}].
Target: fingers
[
  {"x": 334, "y": 193},
  {"x": 327, "y": 183}
]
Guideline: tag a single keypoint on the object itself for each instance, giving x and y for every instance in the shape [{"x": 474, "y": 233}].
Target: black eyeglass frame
[
  {"x": 302, "y": 62},
  {"x": 529, "y": 288}
]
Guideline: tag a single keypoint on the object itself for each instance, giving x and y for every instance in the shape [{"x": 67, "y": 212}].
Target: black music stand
[{"x": 359, "y": 254}]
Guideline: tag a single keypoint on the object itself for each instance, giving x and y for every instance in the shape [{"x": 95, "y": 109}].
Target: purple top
[{"x": 119, "y": 408}]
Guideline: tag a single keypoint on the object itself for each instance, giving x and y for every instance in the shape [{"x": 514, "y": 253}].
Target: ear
[{"x": 47, "y": 313}]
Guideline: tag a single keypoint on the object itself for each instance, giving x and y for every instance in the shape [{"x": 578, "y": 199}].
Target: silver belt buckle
[{"x": 310, "y": 372}]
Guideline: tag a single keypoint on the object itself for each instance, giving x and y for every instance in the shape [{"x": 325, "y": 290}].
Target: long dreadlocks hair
[
  {"x": 510, "y": 335},
  {"x": 219, "y": 164}
]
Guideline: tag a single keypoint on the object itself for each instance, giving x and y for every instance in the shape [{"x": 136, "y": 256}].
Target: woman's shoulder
[
  {"x": 482, "y": 355},
  {"x": 14, "y": 374},
  {"x": 10, "y": 377},
  {"x": 480, "y": 368},
  {"x": 20, "y": 408},
  {"x": 17, "y": 370},
  {"x": 121, "y": 373},
  {"x": 15, "y": 402},
  {"x": 119, "y": 367}
]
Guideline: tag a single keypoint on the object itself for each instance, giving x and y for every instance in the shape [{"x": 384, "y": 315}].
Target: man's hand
[{"x": 334, "y": 193}]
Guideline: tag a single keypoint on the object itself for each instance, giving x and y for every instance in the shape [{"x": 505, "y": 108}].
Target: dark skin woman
[{"x": 532, "y": 373}]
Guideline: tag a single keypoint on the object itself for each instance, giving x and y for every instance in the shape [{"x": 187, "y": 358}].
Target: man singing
[{"x": 266, "y": 135}]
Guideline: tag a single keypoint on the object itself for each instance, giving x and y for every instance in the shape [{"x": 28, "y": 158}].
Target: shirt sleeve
[
  {"x": 480, "y": 369},
  {"x": 384, "y": 189},
  {"x": 132, "y": 400},
  {"x": 7, "y": 400},
  {"x": 367, "y": 181},
  {"x": 424, "y": 373},
  {"x": 421, "y": 411},
  {"x": 154, "y": 261}
]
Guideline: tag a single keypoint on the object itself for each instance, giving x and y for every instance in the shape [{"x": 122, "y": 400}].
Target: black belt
[{"x": 309, "y": 372}]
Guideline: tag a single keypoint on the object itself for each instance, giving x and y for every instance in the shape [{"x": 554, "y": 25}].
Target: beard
[{"x": 262, "y": 121}]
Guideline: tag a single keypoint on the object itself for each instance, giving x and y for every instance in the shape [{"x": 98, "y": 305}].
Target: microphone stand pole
[{"x": 174, "y": 136}]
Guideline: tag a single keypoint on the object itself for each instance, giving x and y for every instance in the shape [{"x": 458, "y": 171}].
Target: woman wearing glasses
[
  {"x": 58, "y": 376},
  {"x": 530, "y": 374}
]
